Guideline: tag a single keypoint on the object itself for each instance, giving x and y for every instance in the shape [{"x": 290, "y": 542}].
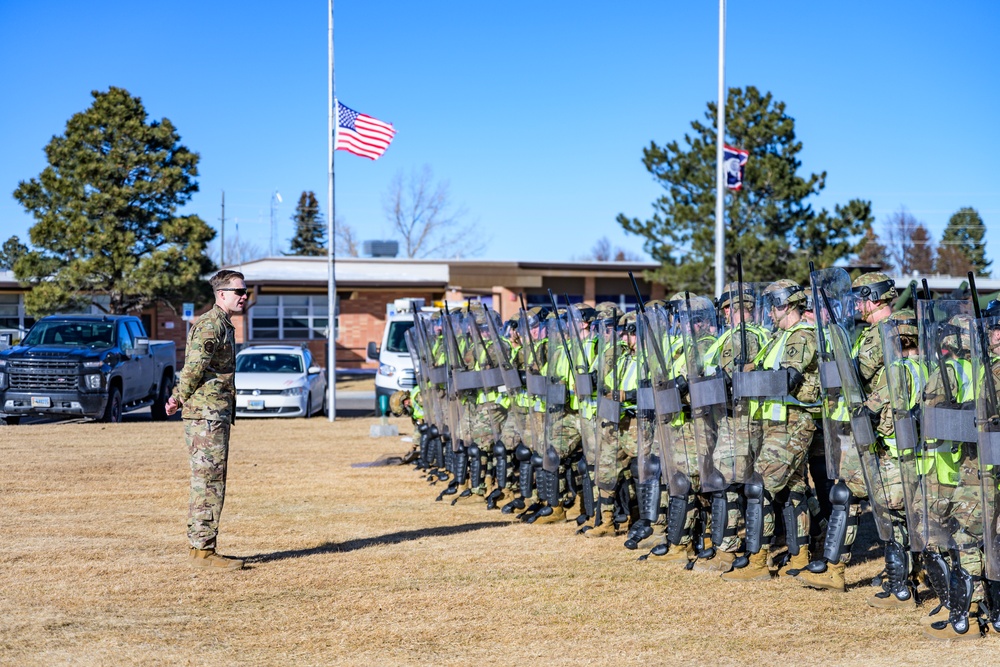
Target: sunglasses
[{"x": 238, "y": 291}]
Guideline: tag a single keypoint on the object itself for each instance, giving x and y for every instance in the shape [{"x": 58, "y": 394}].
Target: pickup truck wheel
[
  {"x": 113, "y": 410},
  {"x": 158, "y": 410}
]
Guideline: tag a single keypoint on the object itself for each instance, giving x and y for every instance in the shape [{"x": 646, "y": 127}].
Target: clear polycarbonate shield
[
  {"x": 739, "y": 432},
  {"x": 430, "y": 347},
  {"x": 833, "y": 305},
  {"x": 584, "y": 345},
  {"x": 986, "y": 369},
  {"x": 558, "y": 370},
  {"x": 708, "y": 393},
  {"x": 463, "y": 379},
  {"x": 487, "y": 410},
  {"x": 534, "y": 354},
  {"x": 648, "y": 449},
  {"x": 504, "y": 349},
  {"x": 411, "y": 336},
  {"x": 609, "y": 395},
  {"x": 859, "y": 425},
  {"x": 668, "y": 372},
  {"x": 947, "y": 496},
  {"x": 905, "y": 377}
]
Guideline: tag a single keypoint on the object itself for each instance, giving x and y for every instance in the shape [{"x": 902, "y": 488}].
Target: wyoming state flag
[{"x": 734, "y": 159}]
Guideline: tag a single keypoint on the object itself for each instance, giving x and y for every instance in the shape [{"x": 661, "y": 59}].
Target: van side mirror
[{"x": 372, "y": 351}]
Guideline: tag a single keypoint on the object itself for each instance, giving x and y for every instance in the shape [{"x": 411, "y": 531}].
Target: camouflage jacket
[{"x": 206, "y": 388}]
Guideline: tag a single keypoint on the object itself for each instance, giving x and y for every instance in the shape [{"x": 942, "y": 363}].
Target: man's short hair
[{"x": 223, "y": 277}]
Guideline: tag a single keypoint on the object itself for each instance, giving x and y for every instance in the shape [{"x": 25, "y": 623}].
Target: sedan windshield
[{"x": 268, "y": 363}]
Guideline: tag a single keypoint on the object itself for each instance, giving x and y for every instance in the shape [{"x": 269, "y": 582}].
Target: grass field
[{"x": 360, "y": 566}]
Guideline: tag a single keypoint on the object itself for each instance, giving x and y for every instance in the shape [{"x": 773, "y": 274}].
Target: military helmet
[
  {"x": 396, "y": 402},
  {"x": 627, "y": 322},
  {"x": 955, "y": 333},
  {"x": 731, "y": 293},
  {"x": 785, "y": 291},
  {"x": 992, "y": 309},
  {"x": 906, "y": 322},
  {"x": 608, "y": 312},
  {"x": 585, "y": 312},
  {"x": 656, "y": 303},
  {"x": 874, "y": 286}
]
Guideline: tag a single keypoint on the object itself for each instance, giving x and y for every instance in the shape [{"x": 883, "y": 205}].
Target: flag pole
[
  {"x": 720, "y": 175},
  {"x": 331, "y": 282}
]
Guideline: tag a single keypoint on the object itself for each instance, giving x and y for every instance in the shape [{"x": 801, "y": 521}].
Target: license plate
[
  {"x": 255, "y": 404},
  {"x": 41, "y": 402}
]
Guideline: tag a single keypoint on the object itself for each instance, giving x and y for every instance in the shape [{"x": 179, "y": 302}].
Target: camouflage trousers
[
  {"x": 208, "y": 450},
  {"x": 782, "y": 466},
  {"x": 617, "y": 449},
  {"x": 517, "y": 428},
  {"x": 737, "y": 443},
  {"x": 486, "y": 421}
]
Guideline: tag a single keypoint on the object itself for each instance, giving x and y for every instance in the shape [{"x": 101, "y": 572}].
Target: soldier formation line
[{"x": 743, "y": 435}]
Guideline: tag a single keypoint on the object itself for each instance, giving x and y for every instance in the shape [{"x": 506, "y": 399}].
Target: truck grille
[
  {"x": 408, "y": 378},
  {"x": 43, "y": 374}
]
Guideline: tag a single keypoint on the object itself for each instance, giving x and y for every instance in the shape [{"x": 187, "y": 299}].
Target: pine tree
[
  {"x": 872, "y": 253},
  {"x": 769, "y": 221},
  {"x": 963, "y": 239},
  {"x": 106, "y": 214},
  {"x": 310, "y": 231}
]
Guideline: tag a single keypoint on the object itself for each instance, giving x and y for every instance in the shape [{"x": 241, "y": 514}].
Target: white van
[{"x": 395, "y": 366}]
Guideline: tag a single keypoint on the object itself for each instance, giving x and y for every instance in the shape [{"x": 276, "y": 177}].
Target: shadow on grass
[{"x": 365, "y": 542}]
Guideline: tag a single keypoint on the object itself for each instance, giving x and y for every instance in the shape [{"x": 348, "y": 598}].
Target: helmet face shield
[{"x": 874, "y": 292}]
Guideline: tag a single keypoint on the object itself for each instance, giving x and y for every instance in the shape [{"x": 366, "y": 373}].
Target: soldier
[
  {"x": 868, "y": 470},
  {"x": 738, "y": 435},
  {"x": 788, "y": 427},
  {"x": 206, "y": 391}
]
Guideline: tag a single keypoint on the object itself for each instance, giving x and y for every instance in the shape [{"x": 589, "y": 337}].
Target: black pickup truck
[{"x": 86, "y": 366}]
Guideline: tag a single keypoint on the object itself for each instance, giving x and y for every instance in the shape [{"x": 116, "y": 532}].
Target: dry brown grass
[
  {"x": 356, "y": 383},
  {"x": 360, "y": 566}
]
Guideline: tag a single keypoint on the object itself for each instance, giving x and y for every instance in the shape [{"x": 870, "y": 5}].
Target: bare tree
[
  {"x": 421, "y": 213},
  {"x": 899, "y": 228},
  {"x": 603, "y": 251},
  {"x": 237, "y": 251},
  {"x": 346, "y": 243}
]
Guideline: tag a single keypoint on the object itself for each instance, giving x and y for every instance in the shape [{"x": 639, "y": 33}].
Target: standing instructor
[{"x": 206, "y": 391}]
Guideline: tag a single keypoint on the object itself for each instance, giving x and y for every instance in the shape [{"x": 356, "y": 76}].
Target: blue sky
[{"x": 536, "y": 113}]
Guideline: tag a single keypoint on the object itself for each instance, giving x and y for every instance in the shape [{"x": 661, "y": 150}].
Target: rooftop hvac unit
[{"x": 380, "y": 248}]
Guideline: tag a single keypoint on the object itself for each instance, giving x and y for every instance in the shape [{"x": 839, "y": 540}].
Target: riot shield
[
  {"x": 709, "y": 396},
  {"x": 488, "y": 414},
  {"x": 947, "y": 496},
  {"x": 986, "y": 370},
  {"x": 584, "y": 343},
  {"x": 558, "y": 367},
  {"x": 648, "y": 470},
  {"x": 905, "y": 377},
  {"x": 857, "y": 422},
  {"x": 609, "y": 383},
  {"x": 833, "y": 305}
]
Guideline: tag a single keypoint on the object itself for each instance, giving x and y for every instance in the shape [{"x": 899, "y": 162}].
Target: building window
[
  {"x": 292, "y": 317},
  {"x": 12, "y": 317}
]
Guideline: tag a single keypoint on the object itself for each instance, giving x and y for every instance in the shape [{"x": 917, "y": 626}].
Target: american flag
[
  {"x": 360, "y": 134},
  {"x": 734, "y": 159}
]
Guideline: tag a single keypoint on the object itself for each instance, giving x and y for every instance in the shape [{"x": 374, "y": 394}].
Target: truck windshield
[
  {"x": 72, "y": 334},
  {"x": 397, "y": 336}
]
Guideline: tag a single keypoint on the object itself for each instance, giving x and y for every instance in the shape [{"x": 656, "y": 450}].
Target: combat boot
[
  {"x": 832, "y": 579},
  {"x": 675, "y": 554},
  {"x": 886, "y": 600},
  {"x": 795, "y": 564},
  {"x": 755, "y": 570},
  {"x": 607, "y": 526},
  {"x": 722, "y": 561},
  {"x": 556, "y": 515},
  {"x": 940, "y": 613},
  {"x": 209, "y": 560},
  {"x": 945, "y": 630}
]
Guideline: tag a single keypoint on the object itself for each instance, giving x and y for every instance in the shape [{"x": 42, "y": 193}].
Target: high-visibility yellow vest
[{"x": 777, "y": 410}]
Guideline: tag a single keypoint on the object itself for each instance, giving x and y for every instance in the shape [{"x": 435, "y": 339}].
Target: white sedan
[{"x": 279, "y": 381}]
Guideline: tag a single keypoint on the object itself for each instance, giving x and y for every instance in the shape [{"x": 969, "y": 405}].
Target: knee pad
[
  {"x": 522, "y": 453},
  {"x": 794, "y": 507},
  {"x": 838, "y": 523}
]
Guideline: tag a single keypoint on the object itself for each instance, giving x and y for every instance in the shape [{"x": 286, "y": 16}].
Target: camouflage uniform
[{"x": 206, "y": 390}]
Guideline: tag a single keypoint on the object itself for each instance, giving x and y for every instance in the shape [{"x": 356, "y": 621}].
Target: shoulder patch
[{"x": 209, "y": 346}]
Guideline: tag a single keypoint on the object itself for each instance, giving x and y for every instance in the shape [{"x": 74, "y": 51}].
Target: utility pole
[{"x": 222, "y": 243}]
